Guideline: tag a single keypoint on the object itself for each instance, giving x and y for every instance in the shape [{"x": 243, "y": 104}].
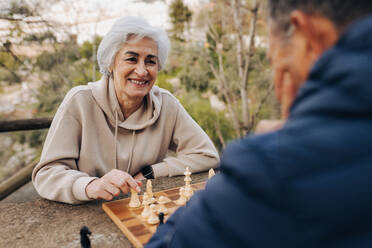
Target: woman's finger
[
  {"x": 112, "y": 189},
  {"x": 129, "y": 180},
  {"x": 133, "y": 184},
  {"x": 105, "y": 195},
  {"x": 124, "y": 188}
]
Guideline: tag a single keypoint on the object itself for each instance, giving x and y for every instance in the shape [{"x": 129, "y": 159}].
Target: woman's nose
[{"x": 141, "y": 70}]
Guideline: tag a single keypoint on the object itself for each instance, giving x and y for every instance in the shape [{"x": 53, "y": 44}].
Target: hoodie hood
[{"x": 104, "y": 94}]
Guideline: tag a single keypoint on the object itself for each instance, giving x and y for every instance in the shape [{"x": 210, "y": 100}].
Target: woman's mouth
[{"x": 138, "y": 82}]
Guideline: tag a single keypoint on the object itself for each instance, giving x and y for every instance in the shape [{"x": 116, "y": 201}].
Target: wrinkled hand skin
[
  {"x": 266, "y": 126},
  {"x": 111, "y": 184}
]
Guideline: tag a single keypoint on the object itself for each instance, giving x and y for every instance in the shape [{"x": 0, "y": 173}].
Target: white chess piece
[
  {"x": 188, "y": 191},
  {"x": 153, "y": 218},
  {"x": 146, "y": 202},
  {"x": 161, "y": 207},
  {"x": 182, "y": 200},
  {"x": 149, "y": 190},
  {"x": 211, "y": 173},
  {"x": 134, "y": 199},
  {"x": 187, "y": 172}
]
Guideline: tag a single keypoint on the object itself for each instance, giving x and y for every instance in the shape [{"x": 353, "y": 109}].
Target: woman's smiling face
[{"x": 135, "y": 69}]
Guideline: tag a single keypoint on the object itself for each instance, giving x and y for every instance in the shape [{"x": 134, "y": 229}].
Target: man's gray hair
[
  {"x": 119, "y": 34},
  {"x": 340, "y": 12}
]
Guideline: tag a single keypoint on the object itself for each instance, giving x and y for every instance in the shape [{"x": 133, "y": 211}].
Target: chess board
[{"x": 130, "y": 221}]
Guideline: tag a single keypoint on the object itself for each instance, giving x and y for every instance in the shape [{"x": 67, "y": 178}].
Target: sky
[{"x": 97, "y": 16}]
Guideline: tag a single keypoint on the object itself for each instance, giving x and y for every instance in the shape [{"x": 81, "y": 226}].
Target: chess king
[{"x": 308, "y": 183}]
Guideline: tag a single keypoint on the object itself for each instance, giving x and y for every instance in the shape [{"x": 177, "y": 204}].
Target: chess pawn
[
  {"x": 187, "y": 172},
  {"x": 153, "y": 218},
  {"x": 161, "y": 207},
  {"x": 146, "y": 202},
  {"x": 188, "y": 191},
  {"x": 187, "y": 179},
  {"x": 134, "y": 199},
  {"x": 182, "y": 200},
  {"x": 211, "y": 173}
]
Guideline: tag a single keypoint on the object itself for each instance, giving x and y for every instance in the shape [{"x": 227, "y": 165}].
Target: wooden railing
[
  {"x": 25, "y": 125},
  {"x": 23, "y": 176}
]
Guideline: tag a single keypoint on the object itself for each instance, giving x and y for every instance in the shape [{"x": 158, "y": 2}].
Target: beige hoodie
[{"x": 89, "y": 137}]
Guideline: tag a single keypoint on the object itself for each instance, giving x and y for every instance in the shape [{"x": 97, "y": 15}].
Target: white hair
[{"x": 121, "y": 32}]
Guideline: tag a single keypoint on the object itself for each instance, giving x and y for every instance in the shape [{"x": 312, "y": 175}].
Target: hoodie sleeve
[
  {"x": 193, "y": 148},
  {"x": 56, "y": 177}
]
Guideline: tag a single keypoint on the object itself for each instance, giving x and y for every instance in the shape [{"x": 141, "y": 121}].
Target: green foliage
[
  {"x": 213, "y": 122},
  {"x": 162, "y": 82},
  {"x": 180, "y": 16},
  {"x": 8, "y": 66},
  {"x": 41, "y": 37},
  {"x": 189, "y": 67},
  {"x": 69, "y": 66},
  {"x": 86, "y": 49}
]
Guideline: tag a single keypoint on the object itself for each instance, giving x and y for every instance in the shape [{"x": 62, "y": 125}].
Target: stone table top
[{"x": 36, "y": 222}]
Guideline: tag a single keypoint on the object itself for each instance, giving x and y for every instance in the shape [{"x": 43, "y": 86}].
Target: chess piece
[
  {"x": 161, "y": 218},
  {"x": 187, "y": 172},
  {"x": 182, "y": 200},
  {"x": 149, "y": 190},
  {"x": 161, "y": 207},
  {"x": 211, "y": 173},
  {"x": 146, "y": 202},
  {"x": 153, "y": 218},
  {"x": 188, "y": 191},
  {"x": 84, "y": 238},
  {"x": 134, "y": 199}
]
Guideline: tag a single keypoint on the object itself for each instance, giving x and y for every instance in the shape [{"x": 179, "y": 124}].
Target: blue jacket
[{"x": 306, "y": 185}]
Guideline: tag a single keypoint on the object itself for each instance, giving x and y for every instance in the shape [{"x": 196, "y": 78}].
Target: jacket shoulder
[
  {"x": 76, "y": 95},
  {"x": 164, "y": 94}
]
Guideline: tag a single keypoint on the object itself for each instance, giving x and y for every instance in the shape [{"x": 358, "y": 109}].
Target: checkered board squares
[{"x": 130, "y": 221}]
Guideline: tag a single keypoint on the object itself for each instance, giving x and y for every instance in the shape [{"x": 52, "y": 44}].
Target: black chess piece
[
  {"x": 161, "y": 218},
  {"x": 84, "y": 238}
]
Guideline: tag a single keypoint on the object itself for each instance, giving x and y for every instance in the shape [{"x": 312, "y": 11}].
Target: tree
[
  {"x": 180, "y": 16},
  {"x": 25, "y": 26},
  {"x": 230, "y": 51}
]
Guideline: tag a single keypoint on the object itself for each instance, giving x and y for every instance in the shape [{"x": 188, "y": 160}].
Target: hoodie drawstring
[
  {"x": 131, "y": 150},
  {"x": 116, "y": 141}
]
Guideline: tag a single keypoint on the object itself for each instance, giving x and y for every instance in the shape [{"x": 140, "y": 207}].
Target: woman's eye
[
  {"x": 131, "y": 59},
  {"x": 151, "y": 62}
]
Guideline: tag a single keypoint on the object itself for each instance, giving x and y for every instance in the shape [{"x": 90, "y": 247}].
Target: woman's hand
[{"x": 111, "y": 184}]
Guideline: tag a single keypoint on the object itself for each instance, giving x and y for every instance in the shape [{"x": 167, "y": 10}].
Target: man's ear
[
  {"x": 304, "y": 28},
  {"x": 318, "y": 32}
]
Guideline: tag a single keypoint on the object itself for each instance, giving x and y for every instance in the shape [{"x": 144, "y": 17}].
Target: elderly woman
[{"x": 109, "y": 134}]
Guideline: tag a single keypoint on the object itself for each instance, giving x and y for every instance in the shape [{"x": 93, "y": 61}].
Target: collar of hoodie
[{"x": 104, "y": 94}]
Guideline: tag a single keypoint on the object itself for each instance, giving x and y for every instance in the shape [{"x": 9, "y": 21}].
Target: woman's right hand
[{"x": 111, "y": 184}]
